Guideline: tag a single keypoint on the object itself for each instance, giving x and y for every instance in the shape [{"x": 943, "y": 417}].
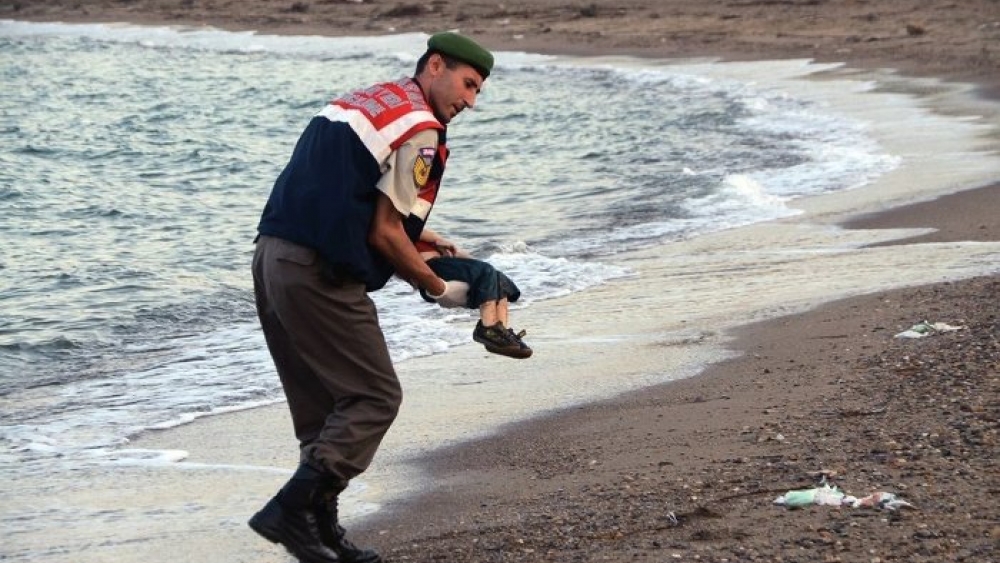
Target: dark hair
[{"x": 449, "y": 61}]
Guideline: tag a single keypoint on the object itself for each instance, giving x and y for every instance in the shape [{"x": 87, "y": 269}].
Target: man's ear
[{"x": 435, "y": 64}]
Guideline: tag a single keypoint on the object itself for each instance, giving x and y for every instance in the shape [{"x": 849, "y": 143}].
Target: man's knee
[
  {"x": 391, "y": 404},
  {"x": 379, "y": 410}
]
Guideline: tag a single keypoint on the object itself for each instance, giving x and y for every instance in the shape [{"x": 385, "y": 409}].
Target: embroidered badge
[{"x": 422, "y": 166}]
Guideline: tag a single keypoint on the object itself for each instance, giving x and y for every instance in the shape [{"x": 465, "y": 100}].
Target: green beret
[{"x": 463, "y": 49}]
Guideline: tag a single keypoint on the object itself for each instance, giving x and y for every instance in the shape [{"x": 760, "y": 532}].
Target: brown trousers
[{"x": 330, "y": 354}]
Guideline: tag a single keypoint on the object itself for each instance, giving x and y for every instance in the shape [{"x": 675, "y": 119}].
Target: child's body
[{"x": 490, "y": 290}]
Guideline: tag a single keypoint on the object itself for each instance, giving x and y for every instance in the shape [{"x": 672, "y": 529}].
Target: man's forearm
[{"x": 389, "y": 238}]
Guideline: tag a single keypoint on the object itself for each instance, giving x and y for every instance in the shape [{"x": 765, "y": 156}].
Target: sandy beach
[
  {"x": 945, "y": 39},
  {"x": 683, "y": 471}
]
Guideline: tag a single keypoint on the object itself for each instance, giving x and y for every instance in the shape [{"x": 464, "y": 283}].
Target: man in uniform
[{"x": 341, "y": 219}]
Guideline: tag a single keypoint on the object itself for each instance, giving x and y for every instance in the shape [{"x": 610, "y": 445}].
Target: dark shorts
[{"x": 486, "y": 283}]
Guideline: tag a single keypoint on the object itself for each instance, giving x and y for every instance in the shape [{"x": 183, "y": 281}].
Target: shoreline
[
  {"x": 956, "y": 41},
  {"x": 596, "y": 481}
]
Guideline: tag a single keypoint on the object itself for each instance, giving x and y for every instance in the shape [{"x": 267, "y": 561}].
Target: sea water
[{"x": 134, "y": 163}]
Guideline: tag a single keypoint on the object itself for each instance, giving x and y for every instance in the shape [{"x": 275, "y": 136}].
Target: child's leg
[
  {"x": 493, "y": 312},
  {"x": 489, "y": 313},
  {"x": 503, "y": 309}
]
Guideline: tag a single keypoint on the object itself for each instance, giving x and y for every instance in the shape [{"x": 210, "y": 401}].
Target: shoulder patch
[{"x": 422, "y": 165}]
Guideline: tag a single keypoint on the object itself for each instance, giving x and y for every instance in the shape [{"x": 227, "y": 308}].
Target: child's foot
[{"x": 501, "y": 340}]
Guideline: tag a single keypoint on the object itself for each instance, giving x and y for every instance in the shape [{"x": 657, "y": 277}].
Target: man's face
[{"x": 451, "y": 90}]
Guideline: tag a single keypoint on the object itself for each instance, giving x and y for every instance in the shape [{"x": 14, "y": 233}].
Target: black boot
[
  {"x": 333, "y": 532},
  {"x": 295, "y": 519}
]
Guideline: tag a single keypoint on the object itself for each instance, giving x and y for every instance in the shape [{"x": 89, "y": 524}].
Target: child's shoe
[{"x": 501, "y": 340}]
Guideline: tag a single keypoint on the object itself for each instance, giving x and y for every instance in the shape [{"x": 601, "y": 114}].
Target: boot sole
[
  {"x": 266, "y": 533},
  {"x": 519, "y": 353},
  {"x": 276, "y": 537}
]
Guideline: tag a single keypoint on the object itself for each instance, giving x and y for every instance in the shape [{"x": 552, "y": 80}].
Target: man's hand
[
  {"x": 445, "y": 247},
  {"x": 455, "y": 294}
]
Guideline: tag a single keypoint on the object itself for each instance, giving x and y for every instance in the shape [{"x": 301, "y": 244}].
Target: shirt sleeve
[{"x": 408, "y": 169}]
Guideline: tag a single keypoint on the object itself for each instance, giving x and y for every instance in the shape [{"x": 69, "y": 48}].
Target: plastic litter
[
  {"x": 823, "y": 495},
  {"x": 830, "y": 495},
  {"x": 924, "y": 328},
  {"x": 883, "y": 500}
]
